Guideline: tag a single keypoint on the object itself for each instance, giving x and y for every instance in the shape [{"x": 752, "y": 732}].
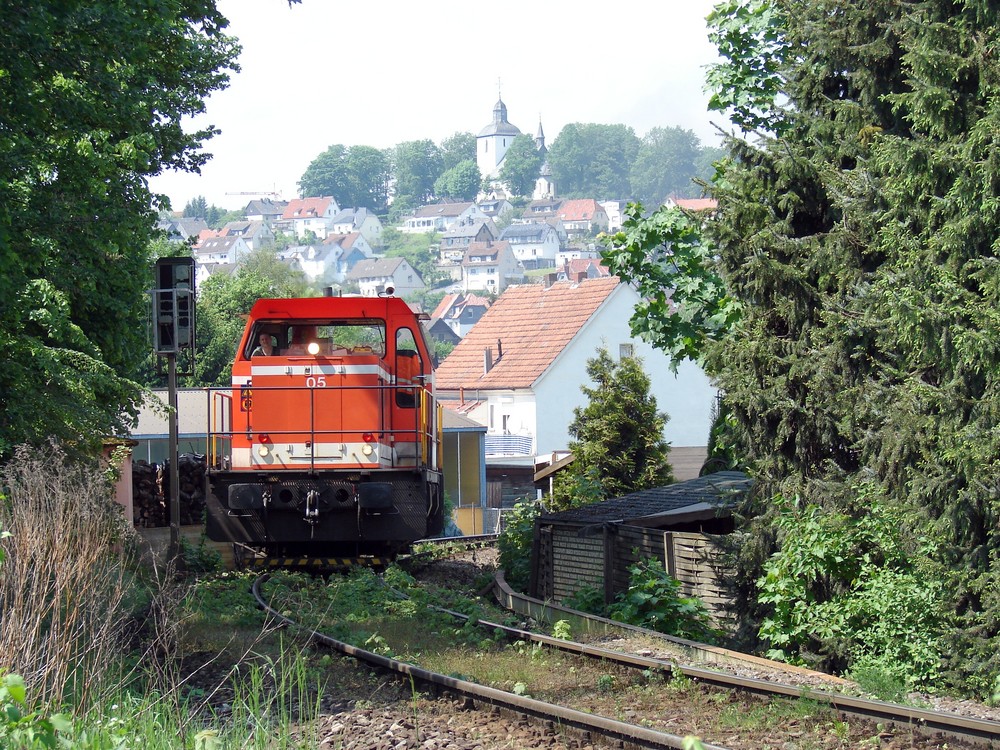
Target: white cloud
[{"x": 379, "y": 73}]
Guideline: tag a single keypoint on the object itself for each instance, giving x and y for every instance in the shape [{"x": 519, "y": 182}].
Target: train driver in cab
[{"x": 265, "y": 348}]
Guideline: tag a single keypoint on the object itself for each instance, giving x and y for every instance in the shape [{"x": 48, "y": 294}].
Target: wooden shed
[{"x": 593, "y": 546}]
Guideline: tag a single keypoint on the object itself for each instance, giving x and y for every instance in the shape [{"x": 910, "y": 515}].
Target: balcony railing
[{"x": 509, "y": 445}]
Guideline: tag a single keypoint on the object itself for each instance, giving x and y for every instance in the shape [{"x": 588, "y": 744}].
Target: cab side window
[{"x": 409, "y": 366}]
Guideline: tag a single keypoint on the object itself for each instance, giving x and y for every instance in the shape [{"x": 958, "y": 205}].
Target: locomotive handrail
[{"x": 421, "y": 430}]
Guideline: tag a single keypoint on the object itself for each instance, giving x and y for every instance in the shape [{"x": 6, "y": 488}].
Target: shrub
[
  {"x": 654, "y": 601},
  {"x": 849, "y": 588},
  {"x": 514, "y": 543}
]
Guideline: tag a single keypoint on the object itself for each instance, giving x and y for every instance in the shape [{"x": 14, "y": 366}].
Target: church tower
[
  {"x": 545, "y": 186},
  {"x": 493, "y": 141}
]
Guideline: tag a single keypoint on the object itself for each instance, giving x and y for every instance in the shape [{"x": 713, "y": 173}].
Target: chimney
[
  {"x": 499, "y": 350},
  {"x": 487, "y": 360}
]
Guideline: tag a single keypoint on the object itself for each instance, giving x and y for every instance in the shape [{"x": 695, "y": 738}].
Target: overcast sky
[{"x": 379, "y": 73}]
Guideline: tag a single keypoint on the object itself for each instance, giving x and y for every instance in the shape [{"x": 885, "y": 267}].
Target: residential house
[
  {"x": 438, "y": 330},
  {"x": 577, "y": 252},
  {"x": 490, "y": 267},
  {"x": 541, "y": 209},
  {"x": 461, "y": 311},
  {"x": 361, "y": 220},
  {"x": 374, "y": 275},
  {"x": 440, "y": 217},
  {"x": 582, "y": 217},
  {"x": 215, "y": 250},
  {"x": 351, "y": 241},
  {"x": 496, "y": 207},
  {"x": 304, "y": 215},
  {"x": 202, "y": 271},
  {"x": 521, "y": 368},
  {"x": 616, "y": 214},
  {"x": 535, "y": 244},
  {"x": 265, "y": 210},
  {"x": 256, "y": 233},
  {"x": 579, "y": 269},
  {"x": 456, "y": 240},
  {"x": 181, "y": 228},
  {"x": 317, "y": 262}
]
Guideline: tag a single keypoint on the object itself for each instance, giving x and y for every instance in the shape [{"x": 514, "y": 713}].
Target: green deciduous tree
[
  {"x": 416, "y": 166},
  {"x": 458, "y": 148},
  {"x": 665, "y": 165},
  {"x": 461, "y": 182},
  {"x": 684, "y": 302},
  {"x": 617, "y": 438},
  {"x": 356, "y": 176},
  {"x": 225, "y": 300},
  {"x": 521, "y": 165},
  {"x": 593, "y": 161},
  {"x": 94, "y": 96}
]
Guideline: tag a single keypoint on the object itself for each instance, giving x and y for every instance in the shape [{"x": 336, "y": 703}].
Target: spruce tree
[
  {"x": 617, "y": 438},
  {"x": 860, "y": 236}
]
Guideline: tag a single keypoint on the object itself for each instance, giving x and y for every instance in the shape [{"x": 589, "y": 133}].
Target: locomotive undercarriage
[{"x": 318, "y": 515}]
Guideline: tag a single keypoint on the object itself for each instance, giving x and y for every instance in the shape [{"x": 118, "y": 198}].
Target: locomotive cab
[{"x": 328, "y": 443}]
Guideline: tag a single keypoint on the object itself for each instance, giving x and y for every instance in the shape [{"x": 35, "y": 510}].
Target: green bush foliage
[
  {"x": 852, "y": 591},
  {"x": 514, "y": 543},
  {"x": 654, "y": 601}
]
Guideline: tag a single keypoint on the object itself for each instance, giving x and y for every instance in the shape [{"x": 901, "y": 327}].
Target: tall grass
[{"x": 64, "y": 581}]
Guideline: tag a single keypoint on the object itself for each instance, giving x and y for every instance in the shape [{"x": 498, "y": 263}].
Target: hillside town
[{"x": 526, "y": 302}]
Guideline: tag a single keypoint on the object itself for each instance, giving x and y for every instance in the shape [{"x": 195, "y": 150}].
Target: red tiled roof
[
  {"x": 443, "y": 306},
  {"x": 583, "y": 265},
  {"x": 697, "y": 204},
  {"x": 581, "y": 209},
  {"x": 303, "y": 208},
  {"x": 533, "y": 324}
]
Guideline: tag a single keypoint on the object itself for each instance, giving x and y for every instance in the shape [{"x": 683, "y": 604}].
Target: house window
[
  {"x": 624, "y": 351},
  {"x": 506, "y": 421}
]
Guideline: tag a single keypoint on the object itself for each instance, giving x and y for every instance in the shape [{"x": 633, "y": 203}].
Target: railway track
[
  {"x": 958, "y": 730},
  {"x": 588, "y": 725}
]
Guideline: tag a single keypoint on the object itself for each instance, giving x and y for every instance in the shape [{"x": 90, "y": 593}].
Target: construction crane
[{"x": 269, "y": 193}]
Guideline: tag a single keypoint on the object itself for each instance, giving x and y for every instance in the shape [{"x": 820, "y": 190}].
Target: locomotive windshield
[{"x": 318, "y": 337}]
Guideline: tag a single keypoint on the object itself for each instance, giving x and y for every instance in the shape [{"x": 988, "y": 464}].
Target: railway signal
[{"x": 173, "y": 332}]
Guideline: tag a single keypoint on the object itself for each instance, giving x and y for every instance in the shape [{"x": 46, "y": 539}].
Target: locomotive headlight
[
  {"x": 367, "y": 449},
  {"x": 313, "y": 348},
  {"x": 262, "y": 450}
]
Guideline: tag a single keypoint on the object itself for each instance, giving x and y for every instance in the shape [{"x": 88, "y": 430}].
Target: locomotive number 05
[{"x": 316, "y": 381}]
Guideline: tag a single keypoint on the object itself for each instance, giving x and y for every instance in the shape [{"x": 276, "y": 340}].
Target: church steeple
[
  {"x": 499, "y": 112},
  {"x": 540, "y": 139},
  {"x": 494, "y": 140}
]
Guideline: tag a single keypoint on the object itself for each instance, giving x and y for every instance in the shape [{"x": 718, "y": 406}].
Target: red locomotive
[{"x": 328, "y": 445}]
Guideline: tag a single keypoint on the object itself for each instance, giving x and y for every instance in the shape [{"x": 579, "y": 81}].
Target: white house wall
[{"x": 687, "y": 397}]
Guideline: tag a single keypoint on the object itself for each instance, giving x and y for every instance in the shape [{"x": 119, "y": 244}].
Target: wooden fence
[{"x": 568, "y": 558}]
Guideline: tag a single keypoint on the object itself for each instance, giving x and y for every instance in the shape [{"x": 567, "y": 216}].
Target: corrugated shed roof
[
  {"x": 533, "y": 325},
  {"x": 720, "y": 490}
]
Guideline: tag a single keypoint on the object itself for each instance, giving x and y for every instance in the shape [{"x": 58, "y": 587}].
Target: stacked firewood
[
  {"x": 148, "y": 508},
  {"x": 151, "y": 491}
]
